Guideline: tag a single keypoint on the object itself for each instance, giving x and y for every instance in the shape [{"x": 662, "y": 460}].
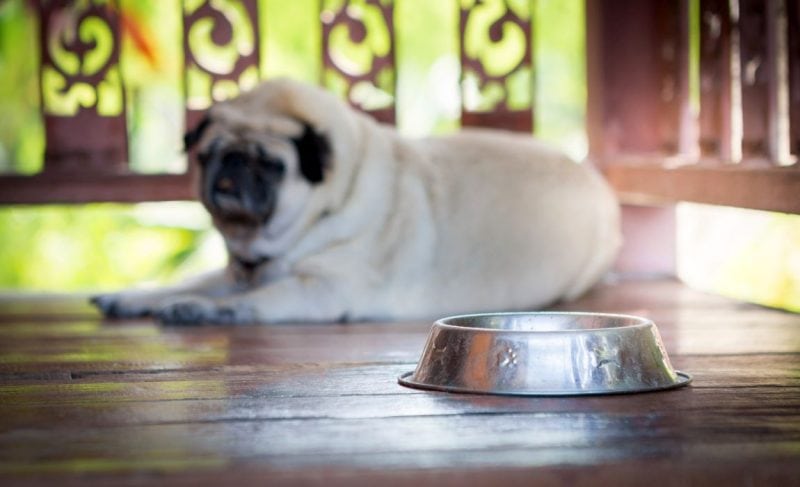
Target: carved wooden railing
[
  {"x": 738, "y": 150},
  {"x": 86, "y": 130},
  {"x": 741, "y": 148}
]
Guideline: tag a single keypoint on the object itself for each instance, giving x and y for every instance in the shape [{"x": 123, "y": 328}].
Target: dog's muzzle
[{"x": 237, "y": 186}]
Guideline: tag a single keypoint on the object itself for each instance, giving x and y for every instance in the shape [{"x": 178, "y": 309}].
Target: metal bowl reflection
[{"x": 544, "y": 354}]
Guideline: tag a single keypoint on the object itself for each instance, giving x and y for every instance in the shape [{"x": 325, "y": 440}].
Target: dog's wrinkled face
[
  {"x": 240, "y": 181},
  {"x": 248, "y": 176}
]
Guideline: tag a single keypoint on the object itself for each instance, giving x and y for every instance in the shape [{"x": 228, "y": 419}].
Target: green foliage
[
  {"x": 745, "y": 254},
  {"x": 559, "y": 51},
  {"x": 89, "y": 247},
  {"x": 21, "y": 128},
  {"x": 767, "y": 268},
  {"x": 426, "y": 52},
  {"x": 154, "y": 86},
  {"x": 291, "y": 41}
]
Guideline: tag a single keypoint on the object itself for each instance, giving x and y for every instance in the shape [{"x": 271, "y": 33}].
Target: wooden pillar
[
  {"x": 358, "y": 55},
  {"x": 715, "y": 79},
  {"x": 222, "y": 61},
  {"x": 758, "y": 81},
  {"x": 793, "y": 29},
  {"x": 637, "y": 67},
  {"x": 496, "y": 91},
  {"x": 83, "y": 101}
]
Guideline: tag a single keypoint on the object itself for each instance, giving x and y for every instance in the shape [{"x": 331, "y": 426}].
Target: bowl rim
[
  {"x": 407, "y": 379},
  {"x": 642, "y": 322}
]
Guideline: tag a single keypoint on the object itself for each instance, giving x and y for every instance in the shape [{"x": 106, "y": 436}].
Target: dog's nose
[
  {"x": 237, "y": 187},
  {"x": 225, "y": 185},
  {"x": 234, "y": 164}
]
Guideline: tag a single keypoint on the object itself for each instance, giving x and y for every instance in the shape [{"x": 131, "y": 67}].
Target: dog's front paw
[
  {"x": 195, "y": 310},
  {"x": 118, "y": 305}
]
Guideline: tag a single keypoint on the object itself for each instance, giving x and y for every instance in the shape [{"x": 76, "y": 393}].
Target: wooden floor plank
[
  {"x": 545, "y": 438},
  {"x": 130, "y": 402},
  {"x": 217, "y": 407},
  {"x": 146, "y": 346},
  {"x": 352, "y": 379},
  {"x": 661, "y": 471}
]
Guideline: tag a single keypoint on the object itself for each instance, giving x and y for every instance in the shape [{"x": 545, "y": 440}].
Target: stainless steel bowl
[{"x": 544, "y": 354}]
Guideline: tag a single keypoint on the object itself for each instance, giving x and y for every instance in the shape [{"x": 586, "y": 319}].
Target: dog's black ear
[
  {"x": 193, "y": 136},
  {"x": 313, "y": 151}
]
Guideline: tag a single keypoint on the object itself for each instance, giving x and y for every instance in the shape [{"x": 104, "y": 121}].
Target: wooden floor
[{"x": 84, "y": 401}]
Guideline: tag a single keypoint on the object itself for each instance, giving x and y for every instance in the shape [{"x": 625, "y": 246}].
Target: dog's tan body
[{"x": 397, "y": 228}]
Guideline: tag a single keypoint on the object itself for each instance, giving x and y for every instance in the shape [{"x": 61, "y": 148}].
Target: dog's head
[
  {"x": 244, "y": 172},
  {"x": 275, "y": 159}
]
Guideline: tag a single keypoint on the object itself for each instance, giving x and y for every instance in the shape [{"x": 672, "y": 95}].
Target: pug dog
[{"x": 329, "y": 216}]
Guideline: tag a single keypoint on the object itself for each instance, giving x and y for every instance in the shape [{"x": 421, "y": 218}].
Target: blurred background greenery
[
  {"x": 105, "y": 246},
  {"x": 100, "y": 246}
]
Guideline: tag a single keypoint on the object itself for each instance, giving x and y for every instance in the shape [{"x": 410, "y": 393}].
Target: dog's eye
[
  {"x": 274, "y": 165},
  {"x": 271, "y": 164}
]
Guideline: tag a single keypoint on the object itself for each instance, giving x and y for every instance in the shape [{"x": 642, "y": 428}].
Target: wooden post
[
  {"x": 208, "y": 79},
  {"x": 715, "y": 79},
  {"x": 371, "y": 87},
  {"x": 637, "y": 72},
  {"x": 494, "y": 95},
  {"x": 793, "y": 30},
  {"x": 637, "y": 66},
  {"x": 83, "y": 101},
  {"x": 757, "y": 78}
]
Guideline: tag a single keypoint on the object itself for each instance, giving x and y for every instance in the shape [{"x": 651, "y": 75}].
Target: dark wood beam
[
  {"x": 754, "y": 186},
  {"x": 61, "y": 188}
]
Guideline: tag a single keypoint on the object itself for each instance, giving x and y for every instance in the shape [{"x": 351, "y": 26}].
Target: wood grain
[
  {"x": 83, "y": 401},
  {"x": 751, "y": 184}
]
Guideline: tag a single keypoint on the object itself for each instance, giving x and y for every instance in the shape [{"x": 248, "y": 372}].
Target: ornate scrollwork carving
[
  {"x": 497, "y": 71},
  {"x": 80, "y": 58},
  {"x": 220, "y": 42},
  {"x": 82, "y": 93},
  {"x": 358, "y": 53}
]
